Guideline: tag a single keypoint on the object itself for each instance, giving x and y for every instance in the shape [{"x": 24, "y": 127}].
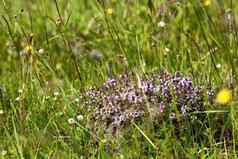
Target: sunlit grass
[{"x": 81, "y": 44}]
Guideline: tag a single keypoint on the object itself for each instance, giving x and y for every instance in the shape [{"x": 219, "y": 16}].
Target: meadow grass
[{"x": 52, "y": 52}]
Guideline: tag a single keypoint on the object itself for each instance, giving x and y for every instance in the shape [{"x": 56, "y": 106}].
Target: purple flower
[
  {"x": 111, "y": 82},
  {"x": 120, "y": 100}
]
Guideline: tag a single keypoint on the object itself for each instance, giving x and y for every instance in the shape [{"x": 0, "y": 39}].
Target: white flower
[
  {"x": 79, "y": 117},
  {"x": 41, "y": 51},
  {"x": 56, "y": 93},
  {"x": 167, "y": 49},
  {"x": 71, "y": 121},
  {"x": 1, "y": 111},
  {"x": 162, "y": 24},
  {"x": 218, "y": 65},
  {"x": 76, "y": 100},
  {"x": 18, "y": 98}
]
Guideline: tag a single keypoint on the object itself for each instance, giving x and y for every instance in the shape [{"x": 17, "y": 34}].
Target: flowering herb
[{"x": 123, "y": 99}]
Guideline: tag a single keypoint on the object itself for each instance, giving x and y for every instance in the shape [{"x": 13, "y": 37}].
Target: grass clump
[{"x": 53, "y": 52}]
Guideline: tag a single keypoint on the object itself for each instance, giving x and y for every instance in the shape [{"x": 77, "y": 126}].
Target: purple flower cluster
[
  {"x": 126, "y": 98},
  {"x": 180, "y": 91},
  {"x": 116, "y": 102}
]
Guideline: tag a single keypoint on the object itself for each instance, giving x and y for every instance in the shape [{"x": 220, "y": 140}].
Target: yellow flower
[
  {"x": 224, "y": 96},
  {"x": 206, "y": 2},
  {"x": 109, "y": 11},
  {"x": 29, "y": 49}
]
